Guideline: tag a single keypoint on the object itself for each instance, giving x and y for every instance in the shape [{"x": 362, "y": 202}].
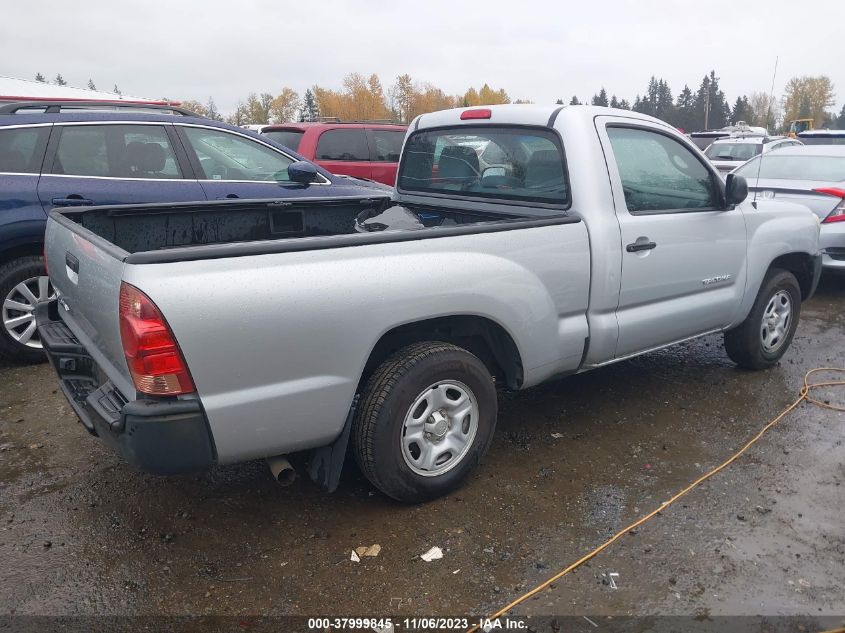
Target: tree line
[{"x": 362, "y": 98}]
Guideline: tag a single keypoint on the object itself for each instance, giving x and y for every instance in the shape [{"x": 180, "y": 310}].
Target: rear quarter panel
[{"x": 276, "y": 343}]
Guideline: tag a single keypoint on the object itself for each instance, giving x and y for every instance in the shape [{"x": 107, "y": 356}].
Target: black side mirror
[
  {"x": 736, "y": 190},
  {"x": 303, "y": 172}
]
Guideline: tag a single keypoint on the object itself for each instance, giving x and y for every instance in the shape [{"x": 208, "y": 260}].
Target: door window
[
  {"x": 226, "y": 156},
  {"x": 386, "y": 145},
  {"x": 343, "y": 145},
  {"x": 115, "y": 151},
  {"x": 22, "y": 149},
  {"x": 660, "y": 174}
]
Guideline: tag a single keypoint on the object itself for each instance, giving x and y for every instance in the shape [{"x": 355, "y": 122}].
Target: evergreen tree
[
  {"x": 310, "y": 110},
  {"x": 574, "y": 101},
  {"x": 117, "y": 90},
  {"x": 601, "y": 98},
  {"x": 60, "y": 81},
  {"x": 840, "y": 120},
  {"x": 685, "y": 110},
  {"x": 741, "y": 110},
  {"x": 559, "y": 102},
  {"x": 40, "y": 77},
  {"x": 614, "y": 102},
  {"x": 624, "y": 105},
  {"x": 711, "y": 108},
  {"x": 91, "y": 85}
]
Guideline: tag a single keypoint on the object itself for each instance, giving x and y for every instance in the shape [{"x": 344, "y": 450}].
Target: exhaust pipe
[{"x": 282, "y": 471}]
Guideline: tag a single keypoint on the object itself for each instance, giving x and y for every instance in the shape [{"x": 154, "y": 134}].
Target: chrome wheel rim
[
  {"x": 777, "y": 317},
  {"x": 19, "y": 310},
  {"x": 439, "y": 428}
]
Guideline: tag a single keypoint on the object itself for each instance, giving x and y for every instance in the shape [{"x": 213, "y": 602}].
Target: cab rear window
[{"x": 518, "y": 164}]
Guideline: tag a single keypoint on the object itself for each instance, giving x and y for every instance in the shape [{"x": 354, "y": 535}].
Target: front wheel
[
  {"x": 426, "y": 418},
  {"x": 763, "y": 338}
]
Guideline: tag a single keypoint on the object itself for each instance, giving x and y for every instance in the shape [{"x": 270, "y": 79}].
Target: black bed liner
[{"x": 172, "y": 232}]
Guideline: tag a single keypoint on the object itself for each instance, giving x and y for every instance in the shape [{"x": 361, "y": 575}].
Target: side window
[
  {"x": 658, "y": 173},
  {"x": 343, "y": 145},
  {"x": 22, "y": 149},
  {"x": 386, "y": 145},
  {"x": 226, "y": 156},
  {"x": 115, "y": 151}
]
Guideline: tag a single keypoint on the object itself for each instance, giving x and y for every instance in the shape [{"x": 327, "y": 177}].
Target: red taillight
[
  {"x": 153, "y": 357},
  {"x": 480, "y": 113},
  {"x": 838, "y": 214}
]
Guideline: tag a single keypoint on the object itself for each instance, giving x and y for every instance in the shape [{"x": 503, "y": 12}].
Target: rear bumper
[
  {"x": 832, "y": 241},
  {"x": 161, "y": 436},
  {"x": 818, "y": 262}
]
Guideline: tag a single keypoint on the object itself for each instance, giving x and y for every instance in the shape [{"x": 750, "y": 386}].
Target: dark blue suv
[{"x": 88, "y": 156}]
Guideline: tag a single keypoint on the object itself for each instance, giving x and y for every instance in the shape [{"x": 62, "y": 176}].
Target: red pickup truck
[{"x": 362, "y": 150}]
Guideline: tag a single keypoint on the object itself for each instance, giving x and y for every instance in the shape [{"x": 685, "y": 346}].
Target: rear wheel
[
  {"x": 763, "y": 338},
  {"x": 426, "y": 418},
  {"x": 23, "y": 283}
]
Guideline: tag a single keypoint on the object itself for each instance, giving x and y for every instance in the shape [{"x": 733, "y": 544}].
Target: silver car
[
  {"x": 727, "y": 154},
  {"x": 813, "y": 176}
]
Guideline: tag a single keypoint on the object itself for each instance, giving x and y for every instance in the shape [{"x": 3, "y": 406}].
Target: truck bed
[{"x": 156, "y": 233}]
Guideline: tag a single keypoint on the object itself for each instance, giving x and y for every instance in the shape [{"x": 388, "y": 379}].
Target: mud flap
[{"x": 326, "y": 462}]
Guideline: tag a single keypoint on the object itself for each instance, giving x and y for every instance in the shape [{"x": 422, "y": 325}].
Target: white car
[{"x": 727, "y": 154}]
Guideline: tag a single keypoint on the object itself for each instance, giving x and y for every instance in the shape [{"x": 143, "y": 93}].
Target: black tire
[
  {"x": 744, "y": 343},
  {"x": 390, "y": 392},
  {"x": 11, "y": 274}
]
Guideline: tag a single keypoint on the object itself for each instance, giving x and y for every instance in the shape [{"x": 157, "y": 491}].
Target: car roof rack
[{"x": 56, "y": 107}]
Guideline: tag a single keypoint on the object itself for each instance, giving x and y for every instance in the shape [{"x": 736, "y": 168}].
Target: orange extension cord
[{"x": 804, "y": 396}]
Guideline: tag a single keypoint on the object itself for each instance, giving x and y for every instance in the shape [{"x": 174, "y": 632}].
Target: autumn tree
[
  {"x": 195, "y": 106},
  {"x": 285, "y": 106},
  {"x": 402, "y": 94},
  {"x": 808, "y": 98},
  {"x": 763, "y": 110},
  {"x": 211, "y": 110},
  {"x": 257, "y": 108}
]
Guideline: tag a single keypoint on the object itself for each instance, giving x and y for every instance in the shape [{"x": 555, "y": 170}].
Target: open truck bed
[{"x": 159, "y": 233}]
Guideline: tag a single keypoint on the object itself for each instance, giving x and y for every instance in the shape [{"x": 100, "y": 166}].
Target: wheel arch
[
  {"x": 799, "y": 264},
  {"x": 480, "y": 335}
]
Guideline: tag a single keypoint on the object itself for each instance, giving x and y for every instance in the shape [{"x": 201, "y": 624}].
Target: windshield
[
  {"x": 288, "y": 138},
  {"x": 779, "y": 167},
  {"x": 486, "y": 162},
  {"x": 733, "y": 151}
]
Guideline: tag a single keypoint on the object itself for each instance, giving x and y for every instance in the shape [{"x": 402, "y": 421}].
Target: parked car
[
  {"x": 599, "y": 235},
  {"x": 703, "y": 140},
  {"x": 363, "y": 150},
  {"x": 822, "y": 137},
  {"x": 95, "y": 155},
  {"x": 813, "y": 176},
  {"x": 728, "y": 153}
]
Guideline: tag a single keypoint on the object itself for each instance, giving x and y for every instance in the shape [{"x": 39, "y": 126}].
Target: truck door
[
  {"x": 114, "y": 163},
  {"x": 683, "y": 254}
]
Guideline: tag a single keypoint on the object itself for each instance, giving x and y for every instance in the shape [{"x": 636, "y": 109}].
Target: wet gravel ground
[{"x": 572, "y": 462}]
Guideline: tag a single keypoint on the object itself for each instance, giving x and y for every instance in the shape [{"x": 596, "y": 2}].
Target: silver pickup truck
[{"x": 523, "y": 242}]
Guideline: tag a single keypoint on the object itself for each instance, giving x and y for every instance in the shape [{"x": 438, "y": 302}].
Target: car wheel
[
  {"x": 763, "y": 338},
  {"x": 23, "y": 283},
  {"x": 426, "y": 417}
]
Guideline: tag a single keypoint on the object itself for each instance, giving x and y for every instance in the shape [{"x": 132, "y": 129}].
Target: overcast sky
[{"x": 535, "y": 49}]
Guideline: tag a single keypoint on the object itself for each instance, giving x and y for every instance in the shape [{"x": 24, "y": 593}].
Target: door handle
[
  {"x": 72, "y": 200},
  {"x": 228, "y": 196},
  {"x": 643, "y": 245}
]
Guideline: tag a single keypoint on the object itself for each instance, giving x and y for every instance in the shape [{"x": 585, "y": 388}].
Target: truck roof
[{"x": 525, "y": 114}]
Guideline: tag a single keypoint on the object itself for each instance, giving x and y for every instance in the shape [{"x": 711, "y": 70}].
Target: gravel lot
[{"x": 573, "y": 461}]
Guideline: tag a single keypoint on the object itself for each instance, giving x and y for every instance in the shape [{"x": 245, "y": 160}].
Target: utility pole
[{"x": 707, "y": 110}]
